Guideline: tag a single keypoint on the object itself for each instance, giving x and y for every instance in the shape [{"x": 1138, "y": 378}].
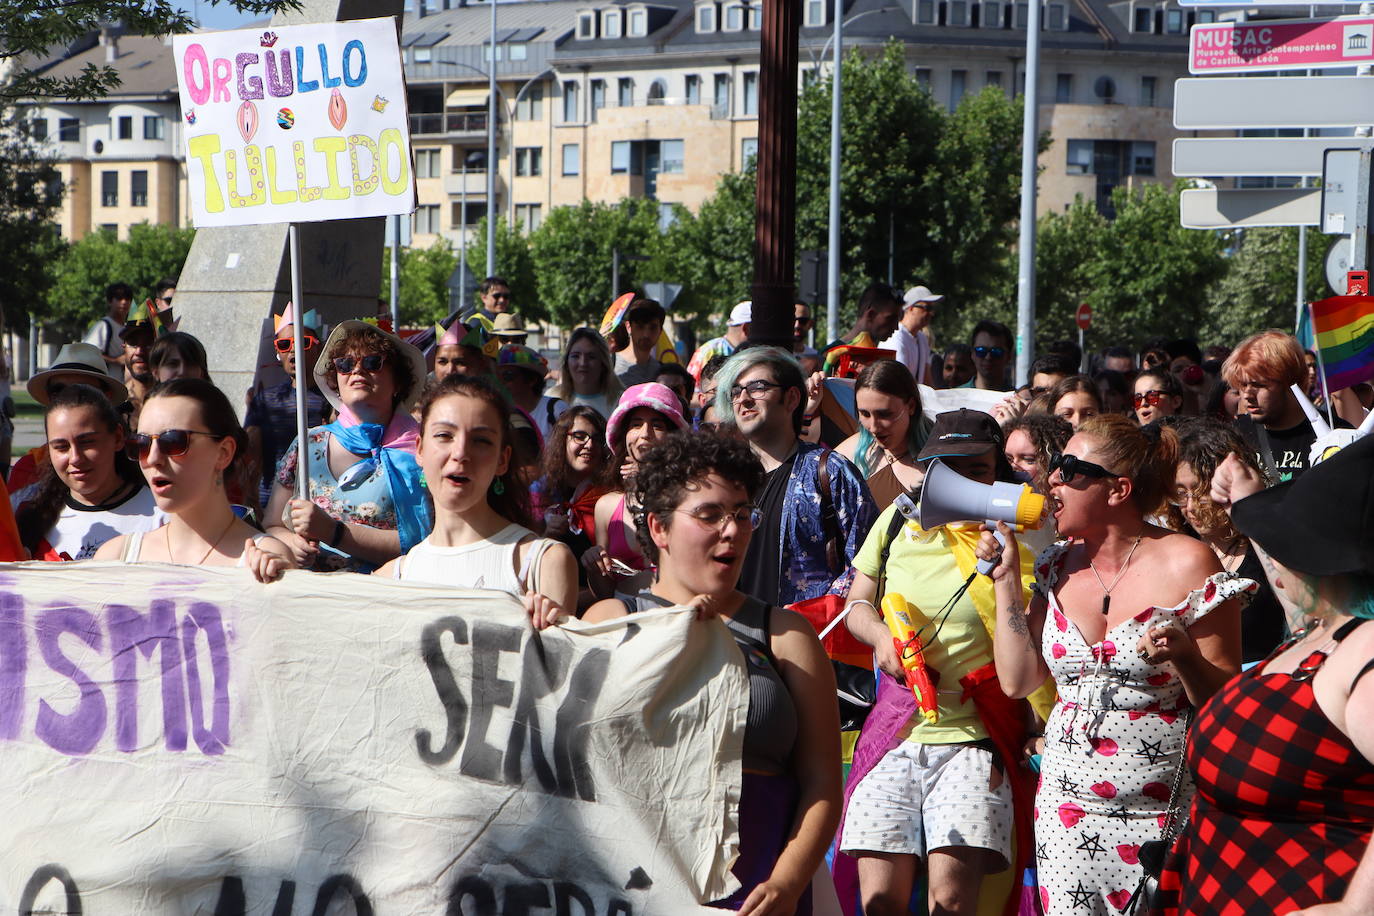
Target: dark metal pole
[{"x": 776, "y": 201}]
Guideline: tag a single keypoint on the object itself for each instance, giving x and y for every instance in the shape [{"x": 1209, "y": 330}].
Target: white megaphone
[{"x": 948, "y": 496}]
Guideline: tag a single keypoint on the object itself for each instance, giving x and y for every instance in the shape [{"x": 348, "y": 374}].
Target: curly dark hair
[
  {"x": 1204, "y": 443},
  {"x": 513, "y": 502},
  {"x": 364, "y": 342},
  {"x": 683, "y": 458}
]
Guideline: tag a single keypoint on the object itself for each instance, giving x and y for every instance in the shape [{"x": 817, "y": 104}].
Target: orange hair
[{"x": 1269, "y": 355}]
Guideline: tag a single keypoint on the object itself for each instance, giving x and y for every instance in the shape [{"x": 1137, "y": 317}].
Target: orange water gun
[{"x": 901, "y": 618}]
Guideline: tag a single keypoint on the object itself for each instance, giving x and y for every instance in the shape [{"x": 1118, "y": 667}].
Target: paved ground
[{"x": 28, "y": 433}]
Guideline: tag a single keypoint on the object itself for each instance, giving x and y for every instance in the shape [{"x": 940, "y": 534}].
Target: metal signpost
[{"x": 1083, "y": 317}]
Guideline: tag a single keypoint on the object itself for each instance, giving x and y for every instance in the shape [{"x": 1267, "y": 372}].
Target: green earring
[
  {"x": 499, "y": 487},
  {"x": 424, "y": 484}
]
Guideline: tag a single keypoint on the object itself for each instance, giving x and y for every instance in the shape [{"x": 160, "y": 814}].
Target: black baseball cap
[
  {"x": 1322, "y": 522},
  {"x": 961, "y": 432}
]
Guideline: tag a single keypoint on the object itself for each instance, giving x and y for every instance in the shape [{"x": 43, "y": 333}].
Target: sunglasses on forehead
[{"x": 1070, "y": 466}]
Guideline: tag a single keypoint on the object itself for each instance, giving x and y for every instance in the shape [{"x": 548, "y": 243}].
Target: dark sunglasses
[
  {"x": 985, "y": 352},
  {"x": 287, "y": 344},
  {"x": 1070, "y": 466},
  {"x": 802, "y": 319},
  {"x": 171, "y": 442},
  {"x": 1151, "y": 397},
  {"x": 345, "y": 365}
]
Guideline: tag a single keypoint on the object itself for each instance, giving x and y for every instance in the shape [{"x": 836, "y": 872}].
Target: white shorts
[{"x": 924, "y": 797}]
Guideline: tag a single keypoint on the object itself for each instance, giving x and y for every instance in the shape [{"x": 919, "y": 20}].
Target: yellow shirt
[{"x": 922, "y": 569}]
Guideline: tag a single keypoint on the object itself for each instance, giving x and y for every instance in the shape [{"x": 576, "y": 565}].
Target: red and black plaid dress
[{"x": 1284, "y": 805}]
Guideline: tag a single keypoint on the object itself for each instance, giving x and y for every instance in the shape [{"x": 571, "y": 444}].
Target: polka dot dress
[{"x": 1112, "y": 746}]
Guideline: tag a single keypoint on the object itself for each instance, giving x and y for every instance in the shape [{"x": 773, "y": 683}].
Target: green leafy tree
[
  {"x": 422, "y": 275},
  {"x": 30, "y": 194},
  {"x": 514, "y": 264},
  {"x": 29, "y": 30},
  {"x": 1260, "y": 286},
  {"x": 1143, "y": 274},
  {"x": 941, "y": 189},
  {"x": 572, "y": 249},
  {"x": 76, "y": 296}
]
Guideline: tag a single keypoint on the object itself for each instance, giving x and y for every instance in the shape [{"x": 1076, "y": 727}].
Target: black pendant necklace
[{"x": 1107, "y": 589}]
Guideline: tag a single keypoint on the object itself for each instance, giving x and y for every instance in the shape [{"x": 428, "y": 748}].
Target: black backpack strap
[
  {"x": 830, "y": 526},
  {"x": 894, "y": 527}
]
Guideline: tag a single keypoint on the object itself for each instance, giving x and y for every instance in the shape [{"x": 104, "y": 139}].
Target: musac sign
[{"x": 181, "y": 740}]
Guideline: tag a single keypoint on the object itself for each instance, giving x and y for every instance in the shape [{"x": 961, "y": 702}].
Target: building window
[
  {"x": 527, "y": 217},
  {"x": 925, "y": 12},
  {"x": 68, "y": 130},
  {"x": 957, "y": 11},
  {"x": 734, "y": 17},
  {"x": 671, "y": 156},
  {"x": 1143, "y": 157},
  {"x": 1063, "y": 88},
  {"x": 487, "y": 49},
  {"x": 813, "y": 13},
  {"x": 426, "y": 220},
  {"x": 625, "y": 92},
  {"x": 469, "y": 160},
  {"x": 993, "y": 78},
  {"x": 109, "y": 189},
  {"x": 125, "y": 127},
  {"x": 1143, "y": 19},
  {"x": 1055, "y": 17},
  {"x": 570, "y": 100},
  {"x": 923, "y": 77},
  {"x": 38, "y": 129},
  {"x": 110, "y": 229},
  {"x": 658, "y": 92},
  {"x": 1148, "y": 86},
  {"x": 572, "y": 159},
  {"x": 1173, "y": 22},
  {"x": 138, "y": 183},
  {"x": 720, "y": 95},
  {"x": 692, "y": 85},
  {"x": 474, "y": 214},
  {"x": 639, "y": 23},
  {"x": 154, "y": 127},
  {"x": 518, "y": 51},
  {"x": 424, "y": 55},
  {"x": 610, "y": 24},
  {"x": 620, "y": 157},
  {"x": 667, "y": 216},
  {"x": 706, "y": 17},
  {"x": 586, "y": 24},
  {"x": 751, "y": 94},
  {"x": 748, "y": 149},
  {"x": 958, "y": 81},
  {"x": 598, "y": 99},
  {"x": 1080, "y": 157},
  {"x": 991, "y": 14},
  {"x": 427, "y": 163},
  {"x": 1022, "y": 15},
  {"x": 1206, "y": 16},
  {"x": 529, "y": 161},
  {"x": 753, "y": 13},
  {"x": 531, "y": 106}
]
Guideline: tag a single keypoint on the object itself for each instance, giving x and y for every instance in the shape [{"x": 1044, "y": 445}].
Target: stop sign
[{"x": 1084, "y": 316}]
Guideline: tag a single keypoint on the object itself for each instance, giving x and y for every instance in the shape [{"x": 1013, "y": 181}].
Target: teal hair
[
  {"x": 786, "y": 372},
  {"x": 1360, "y": 603},
  {"x": 916, "y": 434}
]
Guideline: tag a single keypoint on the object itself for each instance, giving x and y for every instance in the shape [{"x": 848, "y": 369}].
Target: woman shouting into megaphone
[{"x": 1137, "y": 626}]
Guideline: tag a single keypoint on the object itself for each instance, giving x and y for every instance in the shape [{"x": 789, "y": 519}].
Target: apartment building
[{"x": 121, "y": 156}]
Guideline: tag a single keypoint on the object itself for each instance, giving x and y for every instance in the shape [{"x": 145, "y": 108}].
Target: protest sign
[
  {"x": 295, "y": 123},
  {"x": 186, "y": 740}
]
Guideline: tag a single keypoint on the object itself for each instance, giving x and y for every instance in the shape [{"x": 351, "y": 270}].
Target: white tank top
[
  {"x": 133, "y": 546},
  {"x": 485, "y": 564}
]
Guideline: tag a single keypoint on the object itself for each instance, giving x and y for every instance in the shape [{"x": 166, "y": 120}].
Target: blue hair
[{"x": 786, "y": 371}]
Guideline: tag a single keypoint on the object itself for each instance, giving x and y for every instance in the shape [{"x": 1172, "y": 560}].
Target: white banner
[
  {"x": 183, "y": 740},
  {"x": 295, "y": 124}
]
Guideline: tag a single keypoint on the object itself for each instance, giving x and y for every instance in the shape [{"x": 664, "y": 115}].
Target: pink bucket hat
[{"x": 649, "y": 394}]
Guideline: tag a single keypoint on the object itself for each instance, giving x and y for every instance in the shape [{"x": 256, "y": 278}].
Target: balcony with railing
[{"x": 449, "y": 123}]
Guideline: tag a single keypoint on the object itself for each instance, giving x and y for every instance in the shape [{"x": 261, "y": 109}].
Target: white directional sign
[
  {"x": 1340, "y": 186},
  {"x": 1219, "y": 209},
  {"x": 1236, "y": 103},
  {"x": 1207, "y": 157},
  {"x": 1214, "y": 3}
]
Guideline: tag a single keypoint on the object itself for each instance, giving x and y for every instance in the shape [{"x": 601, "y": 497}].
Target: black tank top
[{"x": 771, "y": 728}]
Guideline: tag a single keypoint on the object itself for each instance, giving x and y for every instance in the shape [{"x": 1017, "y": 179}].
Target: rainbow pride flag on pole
[{"x": 1343, "y": 328}]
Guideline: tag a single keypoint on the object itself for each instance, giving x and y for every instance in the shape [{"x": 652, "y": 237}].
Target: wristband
[{"x": 337, "y": 537}]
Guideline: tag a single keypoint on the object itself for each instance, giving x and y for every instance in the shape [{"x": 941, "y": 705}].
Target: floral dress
[
  {"x": 1112, "y": 746},
  {"x": 368, "y": 502}
]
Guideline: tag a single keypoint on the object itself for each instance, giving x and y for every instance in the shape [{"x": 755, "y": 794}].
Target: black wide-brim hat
[{"x": 1322, "y": 522}]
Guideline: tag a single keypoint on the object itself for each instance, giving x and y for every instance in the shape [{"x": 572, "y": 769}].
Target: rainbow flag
[{"x": 1343, "y": 327}]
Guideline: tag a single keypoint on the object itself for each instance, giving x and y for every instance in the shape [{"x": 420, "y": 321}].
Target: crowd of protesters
[{"x": 1150, "y": 703}]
